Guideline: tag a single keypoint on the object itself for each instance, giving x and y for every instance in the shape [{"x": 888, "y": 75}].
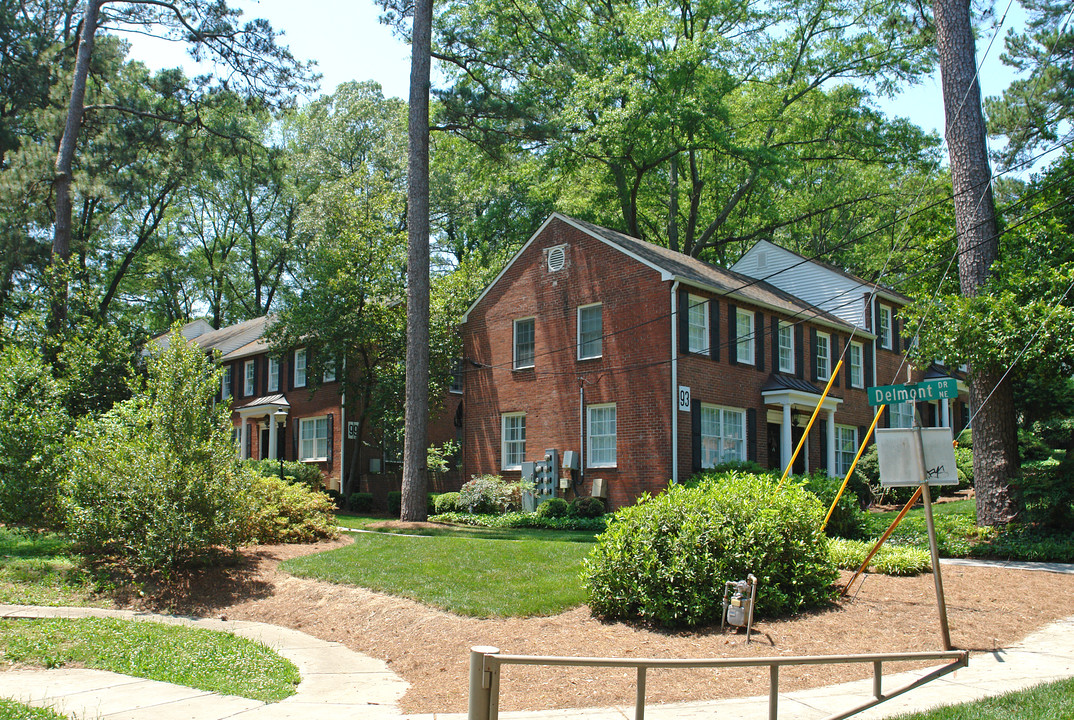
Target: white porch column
[
  {"x": 831, "y": 443},
  {"x": 945, "y": 413},
  {"x": 271, "y": 436},
  {"x": 243, "y": 437},
  {"x": 785, "y": 448}
]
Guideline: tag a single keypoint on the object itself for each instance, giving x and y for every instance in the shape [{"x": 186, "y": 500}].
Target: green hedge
[
  {"x": 666, "y": 559},
  {"x": 523, "y": 520},
  {"x": 889, "y": 560}
]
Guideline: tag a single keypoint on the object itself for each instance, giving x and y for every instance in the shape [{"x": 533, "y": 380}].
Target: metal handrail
[{"x": 485, "y": 664}]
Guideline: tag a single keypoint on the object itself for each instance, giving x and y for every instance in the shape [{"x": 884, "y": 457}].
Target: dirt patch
[{"x": 988, "y": 608}]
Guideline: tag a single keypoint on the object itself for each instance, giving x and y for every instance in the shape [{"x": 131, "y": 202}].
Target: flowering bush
[{"x": 489, "y": 494}]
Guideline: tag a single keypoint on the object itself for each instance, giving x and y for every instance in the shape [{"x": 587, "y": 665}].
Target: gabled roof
[
  {"x": 233, "y": 341},
  {"x": 687, "y": 270}
]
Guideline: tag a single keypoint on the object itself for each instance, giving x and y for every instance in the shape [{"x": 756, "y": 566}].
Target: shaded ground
[{"x": 988, "y": 609}]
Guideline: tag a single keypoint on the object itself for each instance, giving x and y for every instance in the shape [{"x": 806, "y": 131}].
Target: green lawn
[
  {"x": 11, "y": 710},
  {"x": 1052, "y": 701},
  {"x": 472, "y": 571},
  {"x": 197, "y": 658},
  {"x": 40, "y": 569}
]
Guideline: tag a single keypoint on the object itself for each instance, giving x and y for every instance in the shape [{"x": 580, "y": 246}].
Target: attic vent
[
  {"x": 557, "y": 258},
  {"x": 762, "y": 260}
]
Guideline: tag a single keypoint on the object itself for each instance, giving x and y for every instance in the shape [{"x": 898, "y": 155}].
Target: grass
[
  {"x": 11, "y": 710},
  {"x": 41, "y": 569},
  {"x": 1051, "y": 701},
  {"x": 197, "y": 658},
  {"x": 480, "y": 572}
]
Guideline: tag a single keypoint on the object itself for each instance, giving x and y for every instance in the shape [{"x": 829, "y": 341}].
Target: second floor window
[
  {"x": 225, "y": 383},
  {"x": 590, "y": 330},
  {"x": 856, "y": 365},
  {"x": 786, "y": 347},
  {"x": 885, "y": 328},
  {"x": 524, "y": 343},
  {"x": 698, "y": 324},
  {"x": 300, "y": 368},
  {"x": 823, "y": 356},
  {"x": 249, "y": 376},
  {"x": 744, "y": 336},
  {"x": 329, "y": 372},
  {"x": 273, "y": 374}
]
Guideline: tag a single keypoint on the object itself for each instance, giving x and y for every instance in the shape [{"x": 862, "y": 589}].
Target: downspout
[
  {"x": 343, "y": 430},
  {"x": 674, "y": 384},
  {"x": 581, "y": 432}
]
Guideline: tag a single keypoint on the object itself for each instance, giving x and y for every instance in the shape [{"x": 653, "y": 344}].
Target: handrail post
[
  {"x": 480, "y": 688},
  {"x": 773, "y": 691},
  {"x": 878, "y": 673},
  {"x": 639, "y": 702}
]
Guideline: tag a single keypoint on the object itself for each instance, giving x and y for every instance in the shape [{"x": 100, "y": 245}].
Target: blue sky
[{"x": 348, "y": 43}]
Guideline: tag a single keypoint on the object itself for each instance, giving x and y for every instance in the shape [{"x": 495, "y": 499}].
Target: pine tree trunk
[
  {"x": 995, "y": 438},
  {"x": 61, "y": 183},
  {"x": 415, "y": 440}
]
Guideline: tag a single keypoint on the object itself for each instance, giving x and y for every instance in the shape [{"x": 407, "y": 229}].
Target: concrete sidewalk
[{"x": 340, "y": 683}]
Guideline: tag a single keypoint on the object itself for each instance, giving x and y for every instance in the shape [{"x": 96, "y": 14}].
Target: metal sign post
[{"x": 926, "y": 496}]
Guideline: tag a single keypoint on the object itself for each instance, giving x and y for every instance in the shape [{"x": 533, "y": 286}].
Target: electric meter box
[{"x": 570, "y": 460}]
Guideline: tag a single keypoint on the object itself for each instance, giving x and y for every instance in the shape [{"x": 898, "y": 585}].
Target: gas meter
[{"x": 738, "y": 611}]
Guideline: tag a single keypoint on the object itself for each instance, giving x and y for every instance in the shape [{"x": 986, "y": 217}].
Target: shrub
[
  {"x": 667, "y": 558},
  {"x": 395, "y": 503},
  {"x": 154, "y": 481},
  {"x": 338, "y": 501},
  {"x": 524, "y": 520},
  {"x": 964, "y": 464},
  {"x": 430, "y": 503},
  {"x": 31, "y": 440},
  {"x": 296, "y": 472},
  {"x": 889, "y": 560},
  {"x": 446, "y": 503},
  {"x": 848, "y": 519},
  {"x": 283, "y": 512},
  {"x": 553, "y": 508},
  {"x": 360, "y": 502},
  {"x": 587, "y": 507},
  {"x": 1047, "y": 490},
  {"x": 487, "y": 494}
]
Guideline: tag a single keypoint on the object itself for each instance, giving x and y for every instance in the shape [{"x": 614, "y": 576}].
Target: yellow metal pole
[
  {"x": 812, "y": 417},
  {"x": 885, "y": 536},
  {"x": 853, "y": 465}
]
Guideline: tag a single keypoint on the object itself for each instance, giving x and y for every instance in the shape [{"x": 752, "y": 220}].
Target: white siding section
[{"x": 817, "y": 285}]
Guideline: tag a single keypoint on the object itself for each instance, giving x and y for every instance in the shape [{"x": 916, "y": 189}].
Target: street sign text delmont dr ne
[{"x": 938, "y": 389}]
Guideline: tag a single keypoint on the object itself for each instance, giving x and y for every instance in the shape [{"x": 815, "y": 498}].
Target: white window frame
[
  {"x": 308, "y": 445},
  {"x": 599, "y": 457},
  {"x": 300, "y": 368},
  {"x": 827, "y": 367},
  {"x": 723, "y": 435},
  {"x": 857, "y": 364},
  {"x": 249, "y": 378},
  {"x": 744, "y": 319},
  {"x": 455, "y": 386},
  {"x": 697, "y": 324},
  {"x": 225, "y": 383},
  {"x": 786, "y": 347},
  {"x": 846, "y": 447},
  {"x": 519, "y": 361},
  {"x": 513, "y": 446},
  {"x": 273, "y": 380},
  {"x": 590, "y": 347},
  {"x": 329, "y": 371},
  {"x": 901, "y": 415},
  {"x": 886, "y": 339}
]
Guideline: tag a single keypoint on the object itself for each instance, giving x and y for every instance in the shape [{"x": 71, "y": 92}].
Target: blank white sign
[{"x": 901, "y": 464}]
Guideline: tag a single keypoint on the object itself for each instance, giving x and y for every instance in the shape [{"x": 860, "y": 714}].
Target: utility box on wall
[{"x": 600, "y": 488}]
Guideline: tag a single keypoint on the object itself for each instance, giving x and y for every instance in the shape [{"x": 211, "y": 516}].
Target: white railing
[{"x": 485, "y": 664}]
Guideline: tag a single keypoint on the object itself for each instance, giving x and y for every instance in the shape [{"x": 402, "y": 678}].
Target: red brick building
[{"x": 650, "y": 365}]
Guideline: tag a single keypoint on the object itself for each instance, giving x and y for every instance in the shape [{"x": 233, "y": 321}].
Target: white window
[
  {"x": 590, "y": 330},
  {"x": 313, "y": 438},
  {"x": 249, "y": 370},
  {"x": 600, "y": 445},
  {"x": 744, "y": 336},
  {"x": 513, "y": 440},
  {"x": 273, "y": 374},
  {"x": 723, "y": 435},
  {"x": 786, "y": 347},
  {"x": 846, "y": 447},
  {"x": 225, "y": 383},
  {"x": 885, "y": 327},
  {"x": 300, "y": 367},
  {"x": 329, "y": 372},
  {"x": 456, "y": 378},
  {"x": 901, "y": 415},
  {"x": 524, "y": 343},
  {"x": 698, "y": 324},
  {"x": 857, "y": 376},
  {"x": 823, "y": 355}
]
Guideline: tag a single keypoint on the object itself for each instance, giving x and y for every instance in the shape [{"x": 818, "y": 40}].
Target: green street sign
[{"x": 938, "y": 389}]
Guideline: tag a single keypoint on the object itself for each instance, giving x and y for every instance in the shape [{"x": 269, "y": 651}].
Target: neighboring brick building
[{"x": 651, "y": 365}]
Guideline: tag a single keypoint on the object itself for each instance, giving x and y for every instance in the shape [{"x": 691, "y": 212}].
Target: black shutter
[
  {"x": 813, "y": 354},
  {"x": 867, "y": 361},
  {"x": 264, "y": 374},
  {"x": 236, "y": 369},
  {"x": 876, "y": 322},
  {"x": 714, "y": 329},
  {"x": 684, "y": 322},
  {"x": 823, "y": 427},
  {"x": 331, "y": 436},
  {"x": 751, "y": 434},
  {"x": 895, "y": 344},
  {"x": 286, "y": 364},
  {"x": 833, "y": 358},
  {"x": 862, "y": 429},
  {"x": 799, "y": 352},
  {"x": 250, "y": 430},
  {"x": 775, "y": 344},
  {"x": 294, "y": 438},
  {"x": 695, "y": 435},
  {"x": 758, "y": 339},
  {"x": 732, "y": 334}
]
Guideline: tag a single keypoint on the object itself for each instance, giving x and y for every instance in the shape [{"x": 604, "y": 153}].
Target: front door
[
  {"x": 264, "y": 448},
  {"x": 775, "y": 445}
]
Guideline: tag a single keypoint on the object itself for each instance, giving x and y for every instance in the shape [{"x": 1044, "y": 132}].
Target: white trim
[
  {"x": 514, "y": 343},
  {"x": 887, "y": 339},
  {"x": 748, "y": 342},
  {"x": 503, "y": 441},
  {"x": 674, "y": 315},
  {"x": 269, "y": 385},
  {"x": 861, "y": 365},
  {"x": 308, "y": 420},
  {"x": 589, "y": 435},
  {"x": 249, "y": 378},
  {"x": 226, "y": 382},
  {"x": 789, "y": 327},
  {"x": 706, "y": 332},
  {"x": 599, "y": 339},
  {"x": 827, "y": 357},
  {"x": 305, "y": 368},
  {"x": 720, "y": 410}
]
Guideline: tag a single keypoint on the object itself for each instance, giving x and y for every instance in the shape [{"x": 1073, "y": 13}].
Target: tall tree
[{"x": 995, "y": 438}]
